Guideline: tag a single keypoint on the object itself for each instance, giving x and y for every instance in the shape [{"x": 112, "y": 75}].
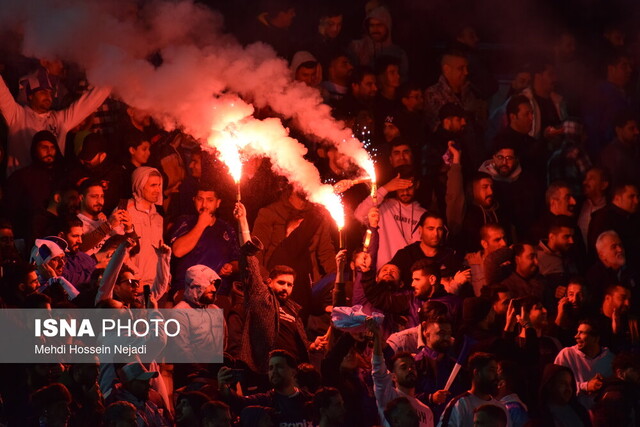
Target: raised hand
[
  {"x": 398, "y": 183},
  {"x": 374, "y": 217}
]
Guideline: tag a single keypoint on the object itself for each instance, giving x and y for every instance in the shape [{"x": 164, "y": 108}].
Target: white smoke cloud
[{"x": 201, "y": 84}]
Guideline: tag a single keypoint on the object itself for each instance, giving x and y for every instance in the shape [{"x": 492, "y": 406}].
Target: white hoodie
[{"x": 397, "y": 223}]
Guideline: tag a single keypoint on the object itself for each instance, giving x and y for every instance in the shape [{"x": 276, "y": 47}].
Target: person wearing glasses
[
  {"x": 121, "y": 279},
  {"x": 517, "y": 192},
  {"x": 520, "y": 119}
]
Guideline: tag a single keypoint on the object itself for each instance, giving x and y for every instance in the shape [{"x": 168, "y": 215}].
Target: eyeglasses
[
  {"x": 134, "y": 283},
  {"x": 502, "y": 158}
]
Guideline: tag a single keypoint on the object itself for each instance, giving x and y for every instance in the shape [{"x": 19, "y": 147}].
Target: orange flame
[
  {"x": 332, "y": 203},
  {"x": 228, "y": 146}
]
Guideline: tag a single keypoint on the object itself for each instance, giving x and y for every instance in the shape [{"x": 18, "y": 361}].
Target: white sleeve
[
  {"x": 382, "y": 382},
  {"x": 82, "y": 107},
  {"x": 362, "y": 210},
  {"x": 8, "y": 105}
]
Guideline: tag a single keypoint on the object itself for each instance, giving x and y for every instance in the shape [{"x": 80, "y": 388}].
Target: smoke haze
[{"x": 207, "y": 84}]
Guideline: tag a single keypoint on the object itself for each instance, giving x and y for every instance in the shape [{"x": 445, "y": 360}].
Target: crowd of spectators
[{"x": 502, "y": 242}]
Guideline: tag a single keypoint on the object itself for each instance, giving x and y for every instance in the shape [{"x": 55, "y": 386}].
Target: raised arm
[
  {"x": 83, "y": 106},
  {"x": 254, "y": 288},
  {"x": 240, "y": 213},
  {"x": 339, "y": 296},
  {"x": 108, "y": 281},
  {"x": 454, "y": 195},
  {"x": 8, "y": 104},
  {"x": 397, "y": 183},
  {"x": 184, "y": 244},
  {"x": 163, "y": 275},
  {"x": 382, "y": 381}
]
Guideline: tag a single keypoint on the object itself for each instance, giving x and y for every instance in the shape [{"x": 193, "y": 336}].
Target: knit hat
[
  {"x": 475, "y": 310},
  {"x": 47, "y": 248}
]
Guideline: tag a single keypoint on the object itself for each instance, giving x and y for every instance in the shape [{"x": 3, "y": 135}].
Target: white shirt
[{"x": 584, "y": 368}]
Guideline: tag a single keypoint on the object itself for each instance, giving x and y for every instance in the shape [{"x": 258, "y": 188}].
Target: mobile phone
[
  {"x": 147, "y": 294},
  {"x": 122, "y": 205},
  {"x": 516, "y": 303}
]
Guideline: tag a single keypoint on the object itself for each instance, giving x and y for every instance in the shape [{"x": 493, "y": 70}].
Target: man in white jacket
[
  {"x": 24, "y": 122},
  {"x": 589, "y": 361},
  {"x": 399, "y": 215}
]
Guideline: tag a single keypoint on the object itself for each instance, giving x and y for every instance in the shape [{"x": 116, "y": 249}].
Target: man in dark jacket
[
  {"x": 287, "y": 400},
  {"x": 515, "y": 189},
  {"x": 272, "y": 319},
  {"x": 620, "y": 216},
  {"x": 296, "y": 233},
  {"x": 95, "y": 164},
  {"x": 432, "y": 248},
  {"x": 27, "y": 190}
]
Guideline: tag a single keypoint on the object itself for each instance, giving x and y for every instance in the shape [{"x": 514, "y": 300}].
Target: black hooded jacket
[{"x": 27, "y": 190}]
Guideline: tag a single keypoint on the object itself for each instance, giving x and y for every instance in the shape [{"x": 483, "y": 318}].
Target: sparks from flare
[
  {"x": 229, "y": 149},
  {"x": 333, "y": 204}
]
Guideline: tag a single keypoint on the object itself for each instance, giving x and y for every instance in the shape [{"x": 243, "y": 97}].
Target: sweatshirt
[
  {"x": 23, "y": 122},
  {"x": 385, "y": 392},
  {"x": 398, "y": 224}
]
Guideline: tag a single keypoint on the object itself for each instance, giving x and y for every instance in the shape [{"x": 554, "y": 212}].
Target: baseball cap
[{"x": 135, "y": 371}]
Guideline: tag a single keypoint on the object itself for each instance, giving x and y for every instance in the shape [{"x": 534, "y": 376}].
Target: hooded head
[
  {"x": 377, "y": 25},
  {"x": 44, "y": 148},
  {"x": 141, "y": 191},
  {"x": 200, "y": 280},
  {"x": 306, "y": 68}
]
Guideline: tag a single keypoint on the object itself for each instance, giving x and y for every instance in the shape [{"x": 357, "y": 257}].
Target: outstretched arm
[
  {"x": 455, "y": 191},
  {"x": 254, "y": 288},
  {"x": 8, "y": 105},
  {"x": 83, "y": 106},
  {"x": 163, "y": 275},
  {"x": 108, "y": 281}
]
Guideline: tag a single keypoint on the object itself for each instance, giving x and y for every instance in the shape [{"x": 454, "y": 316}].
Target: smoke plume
[{"x": 207, "y": 84}]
